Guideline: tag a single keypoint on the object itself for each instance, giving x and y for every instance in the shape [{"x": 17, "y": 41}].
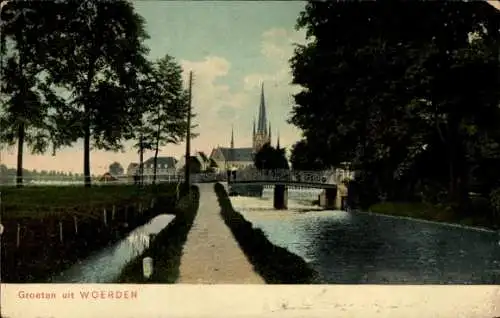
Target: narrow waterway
[
  {"x": 106, "y": 265},
  {"x": 362, "y": 248}
]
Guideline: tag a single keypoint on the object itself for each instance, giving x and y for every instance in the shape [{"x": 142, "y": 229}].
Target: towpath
[{"x": 211, "y": 255}]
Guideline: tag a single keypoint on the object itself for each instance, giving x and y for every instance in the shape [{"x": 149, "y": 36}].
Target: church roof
[{"x": 237, "y": 154}]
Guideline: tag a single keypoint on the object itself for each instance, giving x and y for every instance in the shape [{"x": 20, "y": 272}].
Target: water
[
  {"x": 106, "y": 265},
  {"x": 362, "y": 248}
]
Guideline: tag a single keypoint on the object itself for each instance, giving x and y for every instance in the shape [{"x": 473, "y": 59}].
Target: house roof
[
  {"x": 169, "y": 161},
  {"x": 132, "y": 165},
  {"x": 203, "y": 156},
  {"x": 237, "y": 154}
]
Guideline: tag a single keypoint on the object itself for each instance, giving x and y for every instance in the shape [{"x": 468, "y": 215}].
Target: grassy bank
[
  {"x": 166, "y": 248},
  {"x": 275, "y": 264},
  {"x": 429, "y": 212},
  {"x": 47, "y": 229}
]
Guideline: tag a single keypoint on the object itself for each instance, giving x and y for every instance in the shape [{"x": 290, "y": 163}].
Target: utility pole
[{"x": 188, "y": 135}]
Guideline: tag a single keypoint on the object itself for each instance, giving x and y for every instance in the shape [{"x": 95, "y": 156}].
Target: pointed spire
[
  {"x": 269, "y": 132},
  {"x": 232, "y": 136},
  {"x": 261, "y": 125},
  {"x": 278, "y": 142},
  {"x": 253, "y": 126}
]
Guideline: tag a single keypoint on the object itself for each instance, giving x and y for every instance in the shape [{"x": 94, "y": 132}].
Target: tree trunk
[
  {"x": 458, "y": 181},
  {"x": 141, "y": 159},
  {"x": 86, "y": 152},
  {"x": 20, "y": 147},
  {"x": 155, "y": 164},
  {"x": 86, "y": 125},
  {"x": 157, "y": 146}
]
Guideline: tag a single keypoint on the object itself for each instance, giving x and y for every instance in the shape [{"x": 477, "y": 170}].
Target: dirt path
[{"x": 211, "y": 254}]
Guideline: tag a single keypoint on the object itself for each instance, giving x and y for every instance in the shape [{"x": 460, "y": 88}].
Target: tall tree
[
  {"x": 103, "y": 49},
  {"x": 167, "y": 116},
  {"x": 393, "y": 86},
  {"x": 27, "y": 116}
]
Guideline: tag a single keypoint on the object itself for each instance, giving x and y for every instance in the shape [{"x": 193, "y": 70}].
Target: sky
[{"x": 231, "y": 47}]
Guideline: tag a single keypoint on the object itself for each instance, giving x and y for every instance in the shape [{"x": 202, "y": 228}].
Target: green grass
[
  {"x": 166, "y": 248},
  {"x": 43, "y": 201},
  {"x": 276, "y": 265}
]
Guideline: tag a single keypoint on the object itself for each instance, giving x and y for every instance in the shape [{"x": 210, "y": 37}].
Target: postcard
[{"x": 249, "y": 158}]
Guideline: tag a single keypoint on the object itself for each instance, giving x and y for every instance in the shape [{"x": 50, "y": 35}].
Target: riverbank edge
[
  {"x": 166, "y": 248},
  {"x": 276, "y": 265},
  {"x": 64, "y": 256},
  {"x": 424, "y": 220}
]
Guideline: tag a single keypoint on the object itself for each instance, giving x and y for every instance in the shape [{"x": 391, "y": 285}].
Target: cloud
[
  {"x": 224, "y": 104},
  {"x": 277, "y": 46},
  {"x": 278, "y": 43}
]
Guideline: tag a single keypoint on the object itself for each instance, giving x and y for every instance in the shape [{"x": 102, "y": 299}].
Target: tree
[
  {"x": 303, "y": 157},
  {"x": 116, "y": 169},
  {"x": 270, "y": 158},
  {"x": 27, "y": 103},
  {"x": 166, "y": 118},
  {"x": 102, "y": 44},
  {"x": 395, "y": 89}
]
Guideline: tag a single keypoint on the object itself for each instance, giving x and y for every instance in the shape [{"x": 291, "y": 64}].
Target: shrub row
[{"x": 275, "y": 264}]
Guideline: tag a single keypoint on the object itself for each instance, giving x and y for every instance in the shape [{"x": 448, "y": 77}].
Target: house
[
  {"x": 107, "y": 177},
  {"x": 232, "y": 158},
  {"x": 164, "y": 165},
  {"x": 132, "y": 168},
  {"x": 198, "y": 162}
]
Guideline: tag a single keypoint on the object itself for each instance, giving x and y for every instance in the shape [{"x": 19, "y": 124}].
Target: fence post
[
  {"x": 75, "y": 222},
  {"x": 104, "y": 217},
  {"x": 60, "y": 231},
  {"x": 18, "y": 235}
]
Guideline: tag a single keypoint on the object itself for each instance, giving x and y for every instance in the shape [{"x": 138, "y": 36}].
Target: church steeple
[
  {"x": 261, "y": 135},
  {"x": 278, "y": 141},
  {"x": 262, "y": 121},
  {"x": 232, "y": 137},
  {"x": 269, "y": 133}
]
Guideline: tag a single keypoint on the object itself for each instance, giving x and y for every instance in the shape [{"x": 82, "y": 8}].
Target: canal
[
  {"x": 362, "y": 248},
  {"x": 106, "y": 265}
]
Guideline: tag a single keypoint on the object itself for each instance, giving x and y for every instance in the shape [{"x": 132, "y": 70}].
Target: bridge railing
[{"x": 334, "y": 176}]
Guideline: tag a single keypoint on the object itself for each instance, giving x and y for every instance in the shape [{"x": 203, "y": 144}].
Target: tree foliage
[
  {"x": 270, "y": 158},
  {"x": 74, "y": 69},
  {"x": 116, "y": 169},
  {"x": 165, "y": 106},
  {"x": 405, "y": 91}
]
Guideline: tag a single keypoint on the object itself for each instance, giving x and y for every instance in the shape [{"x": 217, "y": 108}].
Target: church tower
[{"x": 261, "y": 135}]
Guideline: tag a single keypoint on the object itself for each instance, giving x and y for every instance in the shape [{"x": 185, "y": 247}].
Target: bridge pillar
[
  {"x": 330, "y": 198},
  {"x": 280, "y": 201}
]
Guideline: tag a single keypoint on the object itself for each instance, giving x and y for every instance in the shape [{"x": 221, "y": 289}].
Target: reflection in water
[
  {"x": 106, "y": 265},
  {"x": 363, "y": 248}
]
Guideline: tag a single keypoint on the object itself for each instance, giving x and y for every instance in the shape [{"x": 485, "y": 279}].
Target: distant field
[{"x": 44, "y": 201}]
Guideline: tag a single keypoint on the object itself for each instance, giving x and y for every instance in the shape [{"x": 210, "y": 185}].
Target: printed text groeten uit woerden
[{"x": 88, "y": 294}]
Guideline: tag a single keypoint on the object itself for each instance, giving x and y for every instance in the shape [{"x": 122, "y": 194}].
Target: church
[{"x": 231, "y": 158}]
